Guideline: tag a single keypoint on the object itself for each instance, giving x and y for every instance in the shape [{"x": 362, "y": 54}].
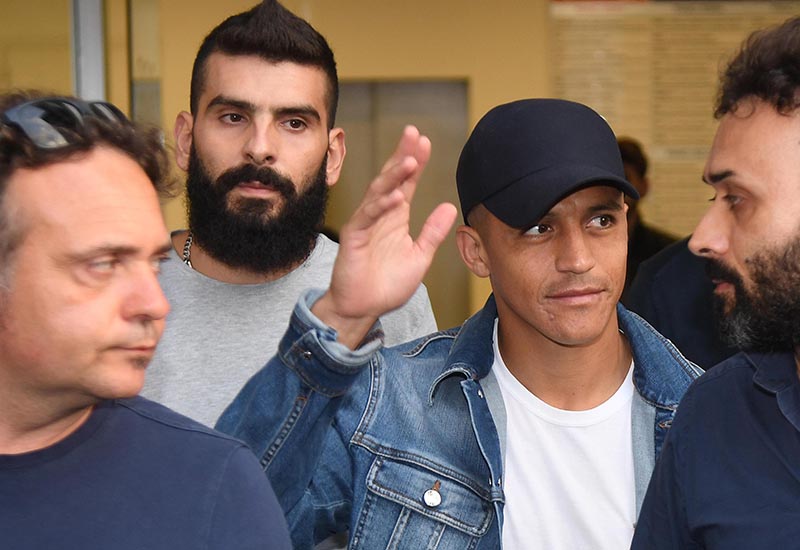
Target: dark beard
[
  {"x": 767, "y": 317},
  {"x": 248, "y": 233}
]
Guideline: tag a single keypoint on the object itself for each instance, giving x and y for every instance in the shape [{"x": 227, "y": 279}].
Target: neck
[
  {"x": 204, "y": 263},
  {"x": 38, "y": 425},
  {"x": 568, "y": 377}
]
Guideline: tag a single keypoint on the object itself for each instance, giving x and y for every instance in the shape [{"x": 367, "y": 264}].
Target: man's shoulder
[
  {"x": 715, "y": 405},
  {"x": 172, "y": 429},
  {"x": 736, "y": 371},
  {"x": 719, "y": 393}
]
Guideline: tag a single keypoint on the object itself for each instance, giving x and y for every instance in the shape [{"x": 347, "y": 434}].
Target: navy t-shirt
[
  {"x": 729, "y": 474},
  {"x": 136, "y": 475}
]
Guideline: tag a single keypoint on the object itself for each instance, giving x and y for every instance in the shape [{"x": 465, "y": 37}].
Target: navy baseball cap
[{"x": 524, "y": 157}]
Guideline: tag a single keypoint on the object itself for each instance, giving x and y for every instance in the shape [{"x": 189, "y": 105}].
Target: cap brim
[{"x": 523, "y": 203}]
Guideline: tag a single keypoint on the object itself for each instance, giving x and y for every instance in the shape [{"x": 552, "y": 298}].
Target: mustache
[
  {"x": 715, "y": 269},
  {"x": 263, "y": 175}
]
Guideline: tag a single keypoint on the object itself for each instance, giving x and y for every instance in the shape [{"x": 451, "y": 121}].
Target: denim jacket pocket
[{"x": 407, "y": 506}]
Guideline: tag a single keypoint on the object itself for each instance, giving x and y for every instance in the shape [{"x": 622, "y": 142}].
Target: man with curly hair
[{"x": 729, "y": 473}]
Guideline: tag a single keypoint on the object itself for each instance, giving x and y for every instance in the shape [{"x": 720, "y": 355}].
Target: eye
[
  {"x": 296, "y": 123},
  {"x": 732, "y": 200},
  {"x": 232, "y": 118},
  {"x": 102, "y": 266},
  {"x": 603, "y": 221},
  {"x": 539, "y": 229}
]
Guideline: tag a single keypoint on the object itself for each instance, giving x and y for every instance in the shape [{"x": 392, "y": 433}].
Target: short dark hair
[
  {"x": 632, "y": 154},
  {"x": 274, "y": 34},
  {"x": 143, "y": 145},
  {"x": 766, "y": 67}
]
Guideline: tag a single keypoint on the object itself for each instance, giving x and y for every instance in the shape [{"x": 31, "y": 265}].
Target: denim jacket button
[
  {"x": 432, "y": 498},
  {"x": 307, "y": 355},
  {"x": 480, "y": 394}
]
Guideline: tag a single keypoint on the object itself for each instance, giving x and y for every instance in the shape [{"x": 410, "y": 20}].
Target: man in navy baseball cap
[
  {"x": 524, "y": 157},
  {"x": 536, "y": 424}
]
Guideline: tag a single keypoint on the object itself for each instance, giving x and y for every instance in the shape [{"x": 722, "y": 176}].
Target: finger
[
  {"x": 423, "y": 151},
  {"x": 406, "y": 146},
  {"x": 370, "y": 212},
  {"x": 391, "y": 178},
  {"x": 422, "y": 156},
  {"x": 435, "y": 229}
]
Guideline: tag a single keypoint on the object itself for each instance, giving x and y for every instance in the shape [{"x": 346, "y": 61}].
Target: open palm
[{"x": 380, "y": 265}]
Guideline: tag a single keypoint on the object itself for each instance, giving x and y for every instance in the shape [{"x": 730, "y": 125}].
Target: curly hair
[
  {"x": 766, "y": 67},
  {"x": 143, "y": 145}
]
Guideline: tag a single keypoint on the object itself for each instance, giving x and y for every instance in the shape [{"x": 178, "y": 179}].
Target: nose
[
  {"x": 261, "y": 145},
  {"x": 709, "y": 237},
  {"x": 574, "y": 254},
  {"x": 145, "y": 301}
]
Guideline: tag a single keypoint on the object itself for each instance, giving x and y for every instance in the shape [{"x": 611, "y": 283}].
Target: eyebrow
[
  {"x": 614, "y": 206},
  {"x": 611, "y": 205},
  {"x": 716, "y": 177},
  {"x": 225, "y": 101},
  {"x": 298, "y": 110}
]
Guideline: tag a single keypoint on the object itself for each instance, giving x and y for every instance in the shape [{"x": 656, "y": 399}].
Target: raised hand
[{"x": 380, "y": 265}]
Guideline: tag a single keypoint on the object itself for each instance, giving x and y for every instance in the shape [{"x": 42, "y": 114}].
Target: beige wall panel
[
  {"x": 35, "y": 45},
  {"x": 118, "y": 82}
]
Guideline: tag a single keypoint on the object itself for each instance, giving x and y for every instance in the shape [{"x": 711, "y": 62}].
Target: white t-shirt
[{"x": 569, "y": 481}]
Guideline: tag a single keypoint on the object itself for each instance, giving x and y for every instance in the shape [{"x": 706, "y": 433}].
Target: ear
[
  {"x": 183, "y": 139},
  {"x": 472, "y": 251},
  {"x": 336, "y": 153}
]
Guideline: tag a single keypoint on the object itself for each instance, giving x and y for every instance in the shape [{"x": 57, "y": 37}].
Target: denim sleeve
[
  {"x": 285, "y": 414},
  {"x": 663, "y": 522}
]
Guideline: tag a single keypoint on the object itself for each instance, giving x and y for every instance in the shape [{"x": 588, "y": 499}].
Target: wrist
[{"x": 350, "y": 330}]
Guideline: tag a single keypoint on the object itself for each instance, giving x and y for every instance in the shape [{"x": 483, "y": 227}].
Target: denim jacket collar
[
  {"x": 472, "y": 353},
  {"x": 661, "y": 387}
]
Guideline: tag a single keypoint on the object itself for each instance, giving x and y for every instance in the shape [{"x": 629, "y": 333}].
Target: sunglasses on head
[{"x": 49, "y": 122}]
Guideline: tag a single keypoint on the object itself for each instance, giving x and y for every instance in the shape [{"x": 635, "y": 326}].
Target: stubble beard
[{"x": 766, "y": 316}]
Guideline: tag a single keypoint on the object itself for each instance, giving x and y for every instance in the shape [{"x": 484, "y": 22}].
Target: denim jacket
[{"x": 403, "y": 446}]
